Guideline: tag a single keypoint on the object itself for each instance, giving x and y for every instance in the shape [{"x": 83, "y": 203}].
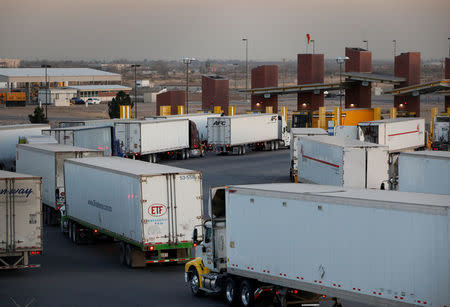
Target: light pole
[
  {"x": 246, "y": 67},
  {"x": 394, "y": 43},
  {"x": 187, "y": 61},
  {"x": 449, "y": 47},
  {"x": 46, "y": 88},
  {"x": 135, "y": 66},
  {"x": 367, "y": 44},
  {"x": 340, "y": 61},
  {"x": 312, "y": 42},
  {"x": 235, "y": 75}
]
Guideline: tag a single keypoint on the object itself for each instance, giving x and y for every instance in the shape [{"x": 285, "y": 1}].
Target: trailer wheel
[
  {"x": 188, "y": 154},
  {"x": 75, "y": 235},
  {"x": 128, "y": 252},
  {"x": 247, "y": 297},
  {"x": 122, "y": 250},
  {"x": 276, "y": 145},
  {"x": 69, "y": 229},
  {"x": 243, "y": 150},
  {"x": 231, "y": 291},
  {"x": 194, "y": 282}
]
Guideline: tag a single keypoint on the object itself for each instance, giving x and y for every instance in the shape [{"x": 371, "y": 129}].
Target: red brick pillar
[
  {"x": 172, "y": 99},
  {"x": 407, "y": 65},
  {"x": 310, "y": 69},
  {"x": 264, "y": 76},
  {"x": 358, "y": 95},
  {"x": 447, "y": 76},
  {"x": 215, "y": 92}
]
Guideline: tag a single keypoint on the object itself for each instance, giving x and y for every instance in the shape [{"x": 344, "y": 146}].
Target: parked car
[
  {"x": 93, "y": 101},
  {"x": 76, "y": 100}
]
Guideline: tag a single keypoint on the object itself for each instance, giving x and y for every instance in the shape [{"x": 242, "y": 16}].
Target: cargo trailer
[
  {"x": 20, "y": 220},
  {"x": 9, "y": 137},
  {"x": 399, "y": 134},
  {"x": 239, "y": 133},
  {"x": 340, "y": 161},
  {"x": 424, "y": 172},
  {"x": 153, "y": 139},
  {"x": 47, "y": 161},
  {"x": 150, "y": 208},
  {"x": 295, "y": 134},
  {"x": 90, "y": 123},
  {"x": 88, "y": 137},
  {"x": 304, "y": 244},
  {"x": 37, "y": 139}
]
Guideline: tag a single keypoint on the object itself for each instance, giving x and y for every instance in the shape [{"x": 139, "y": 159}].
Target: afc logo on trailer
[{"x": 157, "y": 210}]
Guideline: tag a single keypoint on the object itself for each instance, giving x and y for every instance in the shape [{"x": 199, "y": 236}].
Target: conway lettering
[{"x": 20, "y": 191}]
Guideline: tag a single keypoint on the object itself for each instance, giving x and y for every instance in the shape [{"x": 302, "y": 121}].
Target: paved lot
[{"x": 90, "y": 275}]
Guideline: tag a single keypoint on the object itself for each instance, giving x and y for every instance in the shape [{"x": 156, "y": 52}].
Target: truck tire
[
  {"x": 243, "y": 150},
  {"x": 75, "y": 234},
  {"x": 128, "y": 255},
  {"x": 194, "y": 282},
  {"x": 188, "y": 154},
  {"x": 231, "y": 292},
  {"x": 277, "y": 144},
  {"x": 69, "y": 229},
  {"x": 122, "y": 251},
  {"x": 247, "y": 298}
]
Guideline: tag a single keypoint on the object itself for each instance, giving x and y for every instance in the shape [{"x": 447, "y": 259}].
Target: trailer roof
[
  {"x": 389, "y": 120},
  {"x": 336, "y": 192},
  {"x": 78, "y": 128},
  {"x": 21, "y": 126},
  {"x": 129, "y": 167},
  {"x": 6, "y": 174},
  {"x": 54, "y": 147},
  {"x": 151, "y": 121},
  {"x": 341, "y": 141},
  {"x": 428, "y": 154},
  {"x": 250, "y": 115},
  {"x": 308, "y": 131},
  {"x": 182, "y": 116}
]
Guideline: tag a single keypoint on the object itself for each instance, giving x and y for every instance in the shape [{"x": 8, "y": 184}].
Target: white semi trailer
[
  {"x": 150, "y": 208},
  {"x": 237, "y": 134},
  {"x": 150, "y": 139},
  {"x": 20, "y": 220},
  {"x": 295, "y": 134},
  {"x": 9, "y": 138},
  {"x": 307, "y": 243},
  {"x": 47, "y": 161}
]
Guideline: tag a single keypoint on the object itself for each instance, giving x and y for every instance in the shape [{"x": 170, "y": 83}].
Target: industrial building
[
  {"x": 215, "y": 93},
  {"x": 59, "y": 97},
  {"x": 103, "y": 92}
]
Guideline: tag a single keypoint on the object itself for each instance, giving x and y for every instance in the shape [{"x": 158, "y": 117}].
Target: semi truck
[
  {"x": 424, "y": 171},
  {"x": 441, "y": 133},
  {"x": 9, "y": 137},
  {"x": 303, "y": 244},
  {"x": 88, "y": 137},
  {"x": 239, "y": 133},
  {"x": 295, "y": 134},
  {"x": 20, "y": 220},
  {"x": 150, "y": 208},
  {"x": 341, "y": 161},
  {"x": 47, "y": 161},
  {"x": 153, "y": 139}
]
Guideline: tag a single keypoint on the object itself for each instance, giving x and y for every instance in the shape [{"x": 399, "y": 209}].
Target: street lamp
[
  {"x": 246, "y": 67},
  {"x": 187, "y": 61},
  {"x": 394, "y": 43},
  {"x": 135, "y": 66},
  {"x": 341, "y": 60},
  {"x": 46, "y": 88},
  {"x": 312, "y": 42},
  {"x": 367, "y": 44},
  {"x": 235, "y": 76}
]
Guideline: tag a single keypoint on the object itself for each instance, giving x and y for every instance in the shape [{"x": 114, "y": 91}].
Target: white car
[{"x": 93, "y": 101}]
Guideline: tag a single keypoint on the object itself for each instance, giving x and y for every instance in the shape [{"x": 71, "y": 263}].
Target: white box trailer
[
  {"x": 151, "y": 208},
  {"x": 20, "y": 220},
  {"x": 149, "y": 138},
  {"x": 424, "y": 172},
  {"x": 88, "y": 137},
  {"x": 238, "y": 133},
  {"x": 303, "y": 241},
  {"x": 9, "y": 138},
  {"x": 295, "y": 134},
  {"x": 47, "y": 161},
  {"x": 340, "y": 161},
  {"x": 399, "y": 134},
  {"x": 91, "y": 122}
]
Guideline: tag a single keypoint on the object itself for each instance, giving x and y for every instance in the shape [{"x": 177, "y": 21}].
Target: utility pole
[
  {"x": 246, "y": 68},
  {"x": 313, "y": 49},
  {"x": 135, "y": 89},
  {"x": 187, "y": 61},
  {"x": 394, "y": 42},
  {"x": 340, "y": 61},
  {"x": 46, "y": 88}
]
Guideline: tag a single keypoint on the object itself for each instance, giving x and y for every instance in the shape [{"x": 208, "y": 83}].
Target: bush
[
  {"x": 38, "y": 117},
  {"x": 121, "y": 99}
]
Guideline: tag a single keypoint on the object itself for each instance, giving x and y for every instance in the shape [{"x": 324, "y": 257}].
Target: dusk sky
[{"x": 171, "y": 29}]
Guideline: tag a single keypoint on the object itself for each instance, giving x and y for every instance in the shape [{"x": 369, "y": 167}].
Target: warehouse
[
  {"x": 103, "y": 92},
  {"x": 59, "y": 97}
]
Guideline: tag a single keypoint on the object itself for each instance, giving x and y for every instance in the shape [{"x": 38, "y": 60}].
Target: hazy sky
[{"x": 171, "y": 29}]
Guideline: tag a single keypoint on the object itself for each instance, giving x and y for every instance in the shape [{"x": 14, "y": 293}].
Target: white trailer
[
  {"x": 9, "y": 137},
  {"x": 47, "y": 161},
  {"x": 88, "y": 137},
  {"x": 37, "y": 139},
  {"x": 399, "y": 134},
  {"x": 424, "y": 172},
  {"x": 441, "y": 133},
  {"x": 238, "y": 133},
  {"x": 91, "y": 123},
  {"x": 308, "y": 243},
  {"x": 295, "y": 134},
  {"x": 340, "y": 161},
  {"x": 150, "y": 208},
  {"x": 200, "y": 120},
  {"x": 152, "y": 138},
  {"x": 20, "y": 220}
]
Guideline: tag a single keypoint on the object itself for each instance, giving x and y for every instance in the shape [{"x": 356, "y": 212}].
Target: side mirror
[{"x": 195, "y": 235}]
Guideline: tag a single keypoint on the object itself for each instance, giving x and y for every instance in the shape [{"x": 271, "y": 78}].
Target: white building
[{"x": 59, "y": 97}]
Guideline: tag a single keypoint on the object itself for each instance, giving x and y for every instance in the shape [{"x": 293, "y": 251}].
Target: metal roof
[
  {"x": 103, "y": 87},
  {"x": 388, "y": 120},
  {"x": 341, "y": 141},
  {"x": 371, "y": 77},
  {"x": 6, "y": 174},
  {"x": 296, "y": 88},
  {"x": 423, "y": 88},
  {"x": 438, "y": 154},
  {"x": 52, "y": 148},
  {"x": 24, "y": 126},
  {"x": 308, "y": 131},
  {"x": 56, "y": 75}
]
